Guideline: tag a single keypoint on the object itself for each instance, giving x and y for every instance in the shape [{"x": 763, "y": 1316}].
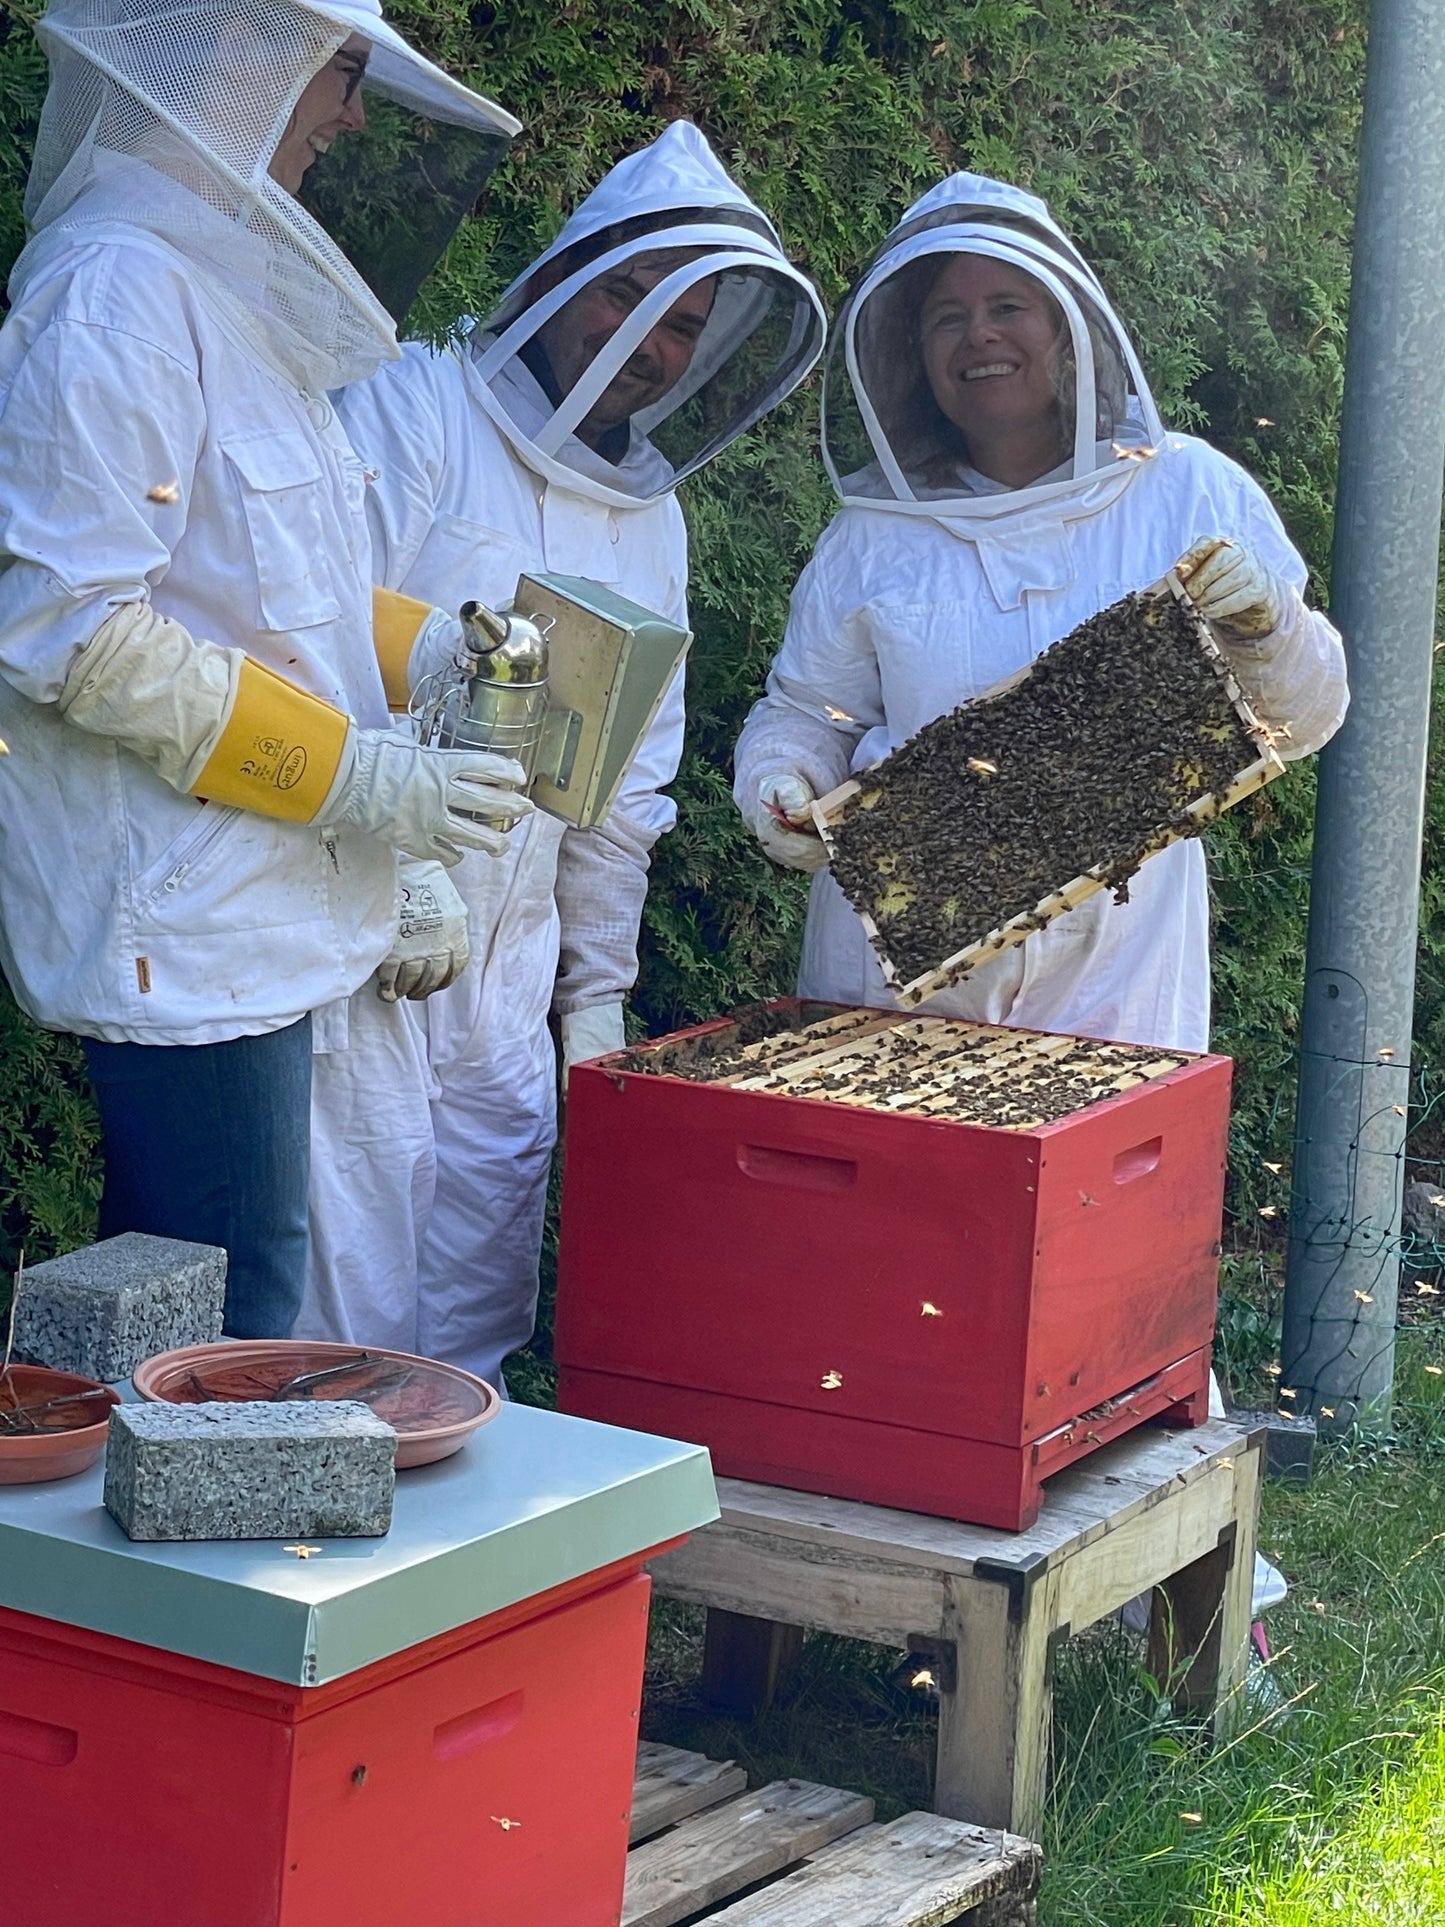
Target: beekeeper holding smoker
[
  {"x": 201, "y": 810},
  {"x": 1004, "y": 476},
  {"x": 663, "y": 321}
]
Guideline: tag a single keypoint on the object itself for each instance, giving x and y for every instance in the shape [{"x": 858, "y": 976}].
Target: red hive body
[
  {"x": 485, "y": 1775},
  {"x": 909, "y": 1310}
]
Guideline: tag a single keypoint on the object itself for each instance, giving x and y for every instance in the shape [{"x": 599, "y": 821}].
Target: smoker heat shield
[
  {"x": 1128, "y": 734},
  {"x": 610, "y": 662}
]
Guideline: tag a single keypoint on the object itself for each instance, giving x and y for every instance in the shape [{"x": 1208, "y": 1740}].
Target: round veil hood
[
  {"x": 887, "y": 444},
  {"x": 764, "y": 328},
  {"x": 165, "y": 115}
]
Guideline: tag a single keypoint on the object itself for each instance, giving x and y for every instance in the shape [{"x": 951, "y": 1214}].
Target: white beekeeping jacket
[
  {"x": 165, "y": 437},
  {"x": 934, "y": 583},
  {"x": 481, "y": 477}
]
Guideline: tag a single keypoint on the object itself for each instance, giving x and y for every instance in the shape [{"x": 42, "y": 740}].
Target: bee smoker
[
  {"x": 567, "y": 690},
  {"x": 499, "y": 701}
]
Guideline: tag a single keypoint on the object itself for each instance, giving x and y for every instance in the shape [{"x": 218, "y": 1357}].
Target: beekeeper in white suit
[
  {"x": 201, "y": 810},
  {"x": 1005, "y": 475},
  {"x": 663, "y": 321}
]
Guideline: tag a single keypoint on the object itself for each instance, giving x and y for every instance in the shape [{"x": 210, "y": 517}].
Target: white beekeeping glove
[
  {"x": 216, "y": 723},
  {"x": 1231, "y": 588},
  {"x": 431, "y": 947},
  {"x": 592, "y": 1032},
  {"x": 428, "y": 802},
  {"x": 780, "y": 803}
]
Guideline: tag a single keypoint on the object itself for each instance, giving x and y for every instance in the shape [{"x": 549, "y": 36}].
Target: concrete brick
[
  {"x": 101, "y": 1310},
  {"x": 1289, "y": 1443},
  {"x": 250, "y": 1470}
]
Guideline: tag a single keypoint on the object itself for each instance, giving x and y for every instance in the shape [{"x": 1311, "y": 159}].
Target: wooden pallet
[{"x": 797, "y": 1855}]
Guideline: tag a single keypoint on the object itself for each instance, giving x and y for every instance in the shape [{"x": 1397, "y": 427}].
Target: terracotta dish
[
  {"x": 51, "y": 1423},
  {"x": 434, "y": 1407}
]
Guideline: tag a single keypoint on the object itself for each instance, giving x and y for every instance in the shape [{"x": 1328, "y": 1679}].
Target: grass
[{"x": 1331, "y": 1811}]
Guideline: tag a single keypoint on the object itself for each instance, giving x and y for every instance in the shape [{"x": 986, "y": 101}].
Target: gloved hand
[
  {"x": 591, "y": 1033},
  {"x": 214, "y": 722},
  {"x": 1231, "y": 588},
  {"x": 431, "y": 947},
  {"x": 782, "y": 801},
  {"x": 429, "y": 802}
]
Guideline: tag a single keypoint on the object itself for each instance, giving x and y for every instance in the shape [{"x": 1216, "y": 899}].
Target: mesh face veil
[
  {"x": 165, "y": 115},
  {"x": 661, "y": 324},
  {"x": 888, "y": 441}
]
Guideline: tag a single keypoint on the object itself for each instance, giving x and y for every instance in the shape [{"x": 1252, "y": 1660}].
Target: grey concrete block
[
  {"x": 1289, "y": 1443},
  {"x": 322, "y": 1469},
  {"x": 103, "y": 1309}
]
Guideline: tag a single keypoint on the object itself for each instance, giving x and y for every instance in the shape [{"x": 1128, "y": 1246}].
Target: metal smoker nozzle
[{"x": 510, "y": 648}]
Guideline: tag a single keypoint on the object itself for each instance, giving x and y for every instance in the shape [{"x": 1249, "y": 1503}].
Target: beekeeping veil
[
  {"x": 888, "y": 445},
  {"x": 764, "y": 329},
  {"x": 164, "y": 116}
]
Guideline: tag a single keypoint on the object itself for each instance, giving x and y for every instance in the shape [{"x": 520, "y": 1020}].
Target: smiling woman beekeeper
[
  {"x": 200, "y": 813},
  {"x": 663, "y": 321},
  {"x": 1005, "y": 475}
]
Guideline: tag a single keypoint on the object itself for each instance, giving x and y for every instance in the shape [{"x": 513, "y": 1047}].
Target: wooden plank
[
  {"x": 826, "y": 1588},
  {"x": 918, "y": 1871},
  {"x": 717, "y": 1853},
  {"x": 1082, "y": 1503},
  {"x": 671, "y": 1784},
  {"x": 1148, "y": 1548}
]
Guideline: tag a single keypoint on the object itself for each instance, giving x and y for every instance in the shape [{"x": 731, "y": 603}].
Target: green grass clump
[{"x": 1386, "y": 1864}]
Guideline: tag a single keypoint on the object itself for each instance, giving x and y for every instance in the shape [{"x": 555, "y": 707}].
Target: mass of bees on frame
[{"x": 989, "y": 810}]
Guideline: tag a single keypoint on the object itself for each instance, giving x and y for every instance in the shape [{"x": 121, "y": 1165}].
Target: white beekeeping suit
[
  {"x": 202, "y": 803},
  {"x": 936, "y": 581},
  {"x": 481, "y": 477}
]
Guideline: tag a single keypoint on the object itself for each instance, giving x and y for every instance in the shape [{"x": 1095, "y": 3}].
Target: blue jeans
[{"x": 212, "y": 1142}]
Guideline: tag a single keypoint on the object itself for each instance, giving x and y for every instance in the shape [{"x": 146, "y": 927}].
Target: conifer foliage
[{"x": 1202, "y": 153}]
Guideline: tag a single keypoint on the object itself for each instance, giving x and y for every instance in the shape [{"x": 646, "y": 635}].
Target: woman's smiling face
[{"x": 988, "y": 334}]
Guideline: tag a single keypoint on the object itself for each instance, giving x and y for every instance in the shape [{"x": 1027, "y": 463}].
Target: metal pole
[{"x": 1343, "y": 1275}]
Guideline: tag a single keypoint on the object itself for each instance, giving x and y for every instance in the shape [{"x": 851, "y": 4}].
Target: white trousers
[{"x": 373, "y": 1173}]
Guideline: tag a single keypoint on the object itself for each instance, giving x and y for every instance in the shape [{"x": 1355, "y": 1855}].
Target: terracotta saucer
[
  {"x": 434, "y": 1407},
  {"x": 71, "y": 1429}
]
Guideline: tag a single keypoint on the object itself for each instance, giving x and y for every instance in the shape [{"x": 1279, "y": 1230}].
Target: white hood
[
  {"x": 764, "y": 332},
  {"x": 165, "y": 115},
  {"x": 877, "y": 433}
]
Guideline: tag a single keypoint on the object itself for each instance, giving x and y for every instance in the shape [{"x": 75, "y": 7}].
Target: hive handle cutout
[
  {"x": 1138, "y": 1161},
  {"x": 479, "y": 1727},
  {"x": 38, "y": 1740},
  {"x": 806, "y": 1169}
]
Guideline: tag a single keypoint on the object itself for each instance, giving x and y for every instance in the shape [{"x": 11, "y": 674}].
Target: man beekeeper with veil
[
  {"x": 663, "y": 321},
  {"x": 1004, "y": 476},
  {"x": 201, "y": 810}
]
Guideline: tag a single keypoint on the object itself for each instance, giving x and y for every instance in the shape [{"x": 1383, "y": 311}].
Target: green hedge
[{"x": 1202, "y": 153}]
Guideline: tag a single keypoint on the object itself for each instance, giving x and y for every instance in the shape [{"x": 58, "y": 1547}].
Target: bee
[{"x": 164, "y": 492}]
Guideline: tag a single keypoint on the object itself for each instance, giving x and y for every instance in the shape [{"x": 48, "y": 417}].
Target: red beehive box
[
  {"x": 799, "y": 1252},
  {"x": 174, "y": 1793}
]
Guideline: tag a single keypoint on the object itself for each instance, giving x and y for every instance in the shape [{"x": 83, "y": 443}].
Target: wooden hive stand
[
  {"x": 797, "y": 1855},
  {"x": 983, "y": 1610}
]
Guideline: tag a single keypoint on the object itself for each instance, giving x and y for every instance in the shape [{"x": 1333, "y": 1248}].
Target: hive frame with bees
[{"x": 830, "y": 812}]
